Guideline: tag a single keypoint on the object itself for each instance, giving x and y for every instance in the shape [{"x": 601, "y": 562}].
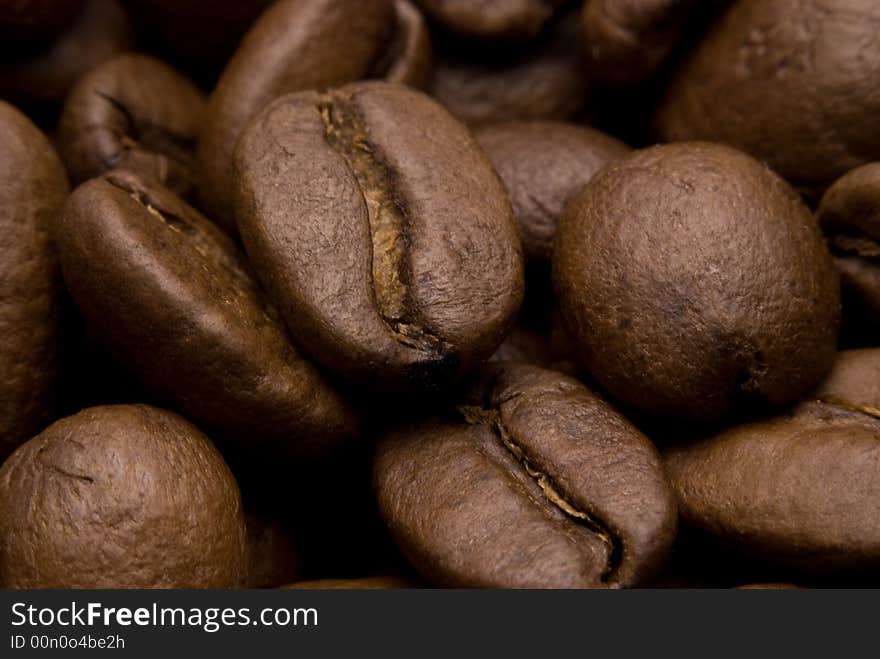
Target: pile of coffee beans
[{"x": 439, "y": 293}]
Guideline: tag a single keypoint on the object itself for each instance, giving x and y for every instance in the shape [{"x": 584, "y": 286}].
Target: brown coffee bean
[
  {"x": 630, "y": 40},
  {"x": 799, "y": 490},
  {"x": 389, "y": 249},
  {"x": 101, "y": 30},
  {"x": 854, "y": 381},
  {"x": 136, "y": 113},
  {"x": 174, "y": 300},
  {"x": 295, "y": 45},
  {"x": 849, "y": 214},
  {"x": 408, "y": 55},
  {"x": 126, "y": 496},
  {"x": 790, "y": 81},
  {"x": 544, "y": 80},
  {"x": 364, "y": 583},
  {"x": 541, "y": 484},
  {"x": 33, "y": 188},
  {"x": 493, "y": 19},
  {"x": 544, "y": 165},
  {"x": 692, "y": 279}
]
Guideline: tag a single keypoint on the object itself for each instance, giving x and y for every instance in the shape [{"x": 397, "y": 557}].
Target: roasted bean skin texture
[
  {"x": 294, "y": 45},
  {"x": 389, "y": 249},
  {"x": 174, "y": 300},
  {"x": 543, "y": 165},
  {"x": 793, "y": 82},
  {"x": 541, "y": 80},
  {"x": 693, "y": 281},
  {"x": 799, "y": 490},
  {"x": 541, "y": 484},
  {"x": 33, "y": 187},
  {"x": 136, "y": 113},
  {"x": 126, "y": 496},
  {"x": 849, "y": 215}
]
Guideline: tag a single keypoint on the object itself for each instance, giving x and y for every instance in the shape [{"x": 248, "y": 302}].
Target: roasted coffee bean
[
  {"x": 799, "y": 490},
  {"x": 408, "y": 56},
  {"x": 692, "y": 279},
  {"x": 120, "y": 497},
  {"x": 540, "y": 484},
  {"x": 854, "y": 381},
  {"x": 295, "y": 45},
  {"x": 101, "y": 30},
  {"x": 29, "y": 24},
  {"x": 544, "y": 80},
  {"x": 174, "y": 300},
  {"x": 849, "y": 214},
  {"x": 364, "y": 583},
  {"x": 504, "y": 19},
  {"x": 543, "y": 165},
  {"x": 33, "y": 188},
  {"x": 790, "y": 81},
  {"x": 630, "y": 40},
  {"x": 136, "y": 113},
  {"x": 390, "y": 249}
]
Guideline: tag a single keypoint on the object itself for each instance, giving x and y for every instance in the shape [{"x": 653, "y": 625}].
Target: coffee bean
[
  {"x": 849, "y": 214},
  {"x": 789, "y": 81},
  {"x": 495, "y": 19},
  {"x": 854, "y": 381},
  {"x": 540, "y": 484},
  {"x": 295, "y": 45},
  {"x": 408, "y": 55},
  {"x": 101, "y": 30},
  {"x": 544, "y": 80},
  {"x": 544, "y": 164},
  {"x": 692, "y": 280},
  {"x": 799, "y": 490},
  {"x": 174, "y": 300},
  {"x": 389, "y": 249},
  {"x": 136, "y": 113},
  {"x": 33, "y": 188},
  {"x": 155, "y": 506},
  {"x": 630, "y": 40}
]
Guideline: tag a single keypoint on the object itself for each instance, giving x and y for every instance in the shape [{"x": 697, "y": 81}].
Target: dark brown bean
[
  {"x": 173, "y": 298},
  {"x": 543, "y": 165},
  {"x": 789, "y": 81},
  {"x": 33, "y": 188},
  {"x": 540, "y": 484},
  {"x": 543, "y": 80},
  {"x": 849, "y": 214},
  {"x": 133, "y": 112},
  {"x": 389, "y": 249},
  {"x": 800, "y": 490},
  {"x": 691, "y": 279},
  {"x": 294, "y": 45},
  {"x": 125, "y": 496}
]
